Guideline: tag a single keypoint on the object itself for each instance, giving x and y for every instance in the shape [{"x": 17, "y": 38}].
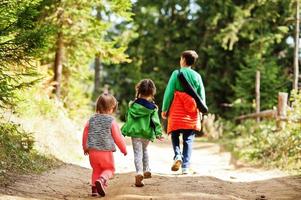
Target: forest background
[{"x": 57, "y": 56}]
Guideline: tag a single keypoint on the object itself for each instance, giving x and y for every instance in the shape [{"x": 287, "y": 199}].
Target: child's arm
[
  {"x": 158, "y": 127},
  {"x": 118, "y": 138},
  {"x": 201, "y": 90},
  {"x": 169, "y": 92},
  {"x": 85, "y": 137}
]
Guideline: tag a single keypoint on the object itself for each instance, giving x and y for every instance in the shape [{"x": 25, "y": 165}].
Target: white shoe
[{"x": 185, "y": 171}]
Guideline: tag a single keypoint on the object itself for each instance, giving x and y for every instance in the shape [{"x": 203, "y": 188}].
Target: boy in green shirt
[{"x": 183, "y": 114}]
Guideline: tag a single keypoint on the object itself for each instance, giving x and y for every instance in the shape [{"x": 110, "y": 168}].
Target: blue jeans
[{"x": 188, "y": 137}]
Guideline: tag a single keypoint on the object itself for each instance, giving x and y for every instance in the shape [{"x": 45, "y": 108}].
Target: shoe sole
[
  {"x": 189, "y": 172},
  {"x": 94, "y": 194},
  {"x": 139, "y": 181},
  {"x": 100, "y": 188},
  {"x": 176, "y": 166}
]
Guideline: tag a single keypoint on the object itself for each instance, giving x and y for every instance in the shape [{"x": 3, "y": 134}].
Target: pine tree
[{"x": 23, "y": 36}]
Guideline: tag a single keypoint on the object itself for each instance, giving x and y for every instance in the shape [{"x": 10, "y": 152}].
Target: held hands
[
  {"x": 86, "y": 152},
  {"x": 163, "y": 115},
  {"x": 160, "y": 138}
]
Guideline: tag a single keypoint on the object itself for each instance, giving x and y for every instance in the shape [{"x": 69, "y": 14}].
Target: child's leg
[
  {"x": 176, "y": 145},
  {"x": 187, "y": 148},
  {"x": 96, "y": 169},
  {"x": 102, "y": 164},
  {"x": 138, "y": 154},
  {"x": 145, "y": 155},
  {"x": 106, "y": 175},
  {"x": 107, "y": 166},
  {"x": 106, "y": 163}
]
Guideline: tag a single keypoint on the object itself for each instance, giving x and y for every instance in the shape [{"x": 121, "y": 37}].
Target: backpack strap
[{"x": 191, "y": 92}]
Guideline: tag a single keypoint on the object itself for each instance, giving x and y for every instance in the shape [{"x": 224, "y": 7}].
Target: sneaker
[
  {"x": 100, "y": 186},
  {"x": 176, "y": 165},
  {"x": 94, "y": 191},
  {"x": 147, "y": 174},
  {"x": 139, "y": 180},
  {"x": 185, "y": 171}
]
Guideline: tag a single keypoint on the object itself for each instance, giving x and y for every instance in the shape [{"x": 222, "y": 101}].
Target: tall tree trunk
[
  {"x": 296, "y": 54},
  {"x": 97, "y": 65},
  {"x": 257, "y": 94},
  {"x": 58, "y": 65},
  {"x": 97, "y": 79}
]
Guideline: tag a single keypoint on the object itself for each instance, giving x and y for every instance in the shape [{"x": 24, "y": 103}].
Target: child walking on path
[
  {"x": 100, "y": 135},
  {"x": 142, "y": 125},
  {"x": 181, "y": 110}
]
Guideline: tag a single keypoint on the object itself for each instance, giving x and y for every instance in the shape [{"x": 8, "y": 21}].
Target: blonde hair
[{"x": 105, "y": 102}]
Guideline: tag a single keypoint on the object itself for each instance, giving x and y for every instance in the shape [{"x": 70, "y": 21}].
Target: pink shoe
[{"x": 100, "y": 186}]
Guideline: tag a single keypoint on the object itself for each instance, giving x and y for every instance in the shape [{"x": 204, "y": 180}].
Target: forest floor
[{"x": 216, "y": 176}]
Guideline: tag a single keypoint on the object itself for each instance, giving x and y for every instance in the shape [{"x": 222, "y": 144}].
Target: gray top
[{"x": 99, "y": 135}]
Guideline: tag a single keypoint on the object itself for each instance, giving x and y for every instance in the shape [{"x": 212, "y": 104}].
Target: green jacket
[
  {"x": 174, "y": 84},
  {"x": 142, "y": 120}
]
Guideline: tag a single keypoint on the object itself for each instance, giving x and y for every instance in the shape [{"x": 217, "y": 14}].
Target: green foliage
[
  {"x": 35, "y": 101},
  {"x": 159, "y": 37},
  {"x": 260, "y": 39},
  {"x": 22, "y": 36},
  {"x": 28, "y": 32},
  {"x": 10, "y": 82},
  {"x": 250, "y": 39},
  {"x": 78, "y": 93},
  {"x": 232, "y": 38},
  {"x": 272, "y": 80},
  {"x": 17, "y": 153},
  {"x": 84, "y": 33},
  {"x": 263, "y": 143},
  {"x": 83, "y": 27}
]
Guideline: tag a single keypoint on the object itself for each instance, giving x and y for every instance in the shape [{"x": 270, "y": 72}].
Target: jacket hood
[{"x": 141, "y": 107}]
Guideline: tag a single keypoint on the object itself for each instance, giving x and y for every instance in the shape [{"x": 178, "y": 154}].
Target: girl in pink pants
[{"x": 100, "y": 135}]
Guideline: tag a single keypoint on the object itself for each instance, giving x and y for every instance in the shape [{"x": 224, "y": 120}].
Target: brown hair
[
  {"x": 105, "y": 102},
  {"x": 190, "y": 57},
  {"x": 146, "y": 87}
]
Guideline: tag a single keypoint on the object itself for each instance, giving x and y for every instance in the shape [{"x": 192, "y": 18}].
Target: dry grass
[{"x": 59, "y": 137}]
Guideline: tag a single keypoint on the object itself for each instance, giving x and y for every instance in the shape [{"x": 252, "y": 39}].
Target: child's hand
[
  {"x": 86, "y": 152},
  {"x": 163, "y": 115},
  {"x": 160, "y": 138}
]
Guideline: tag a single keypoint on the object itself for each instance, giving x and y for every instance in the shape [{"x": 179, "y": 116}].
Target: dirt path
[{"x": 216, "y": 177}]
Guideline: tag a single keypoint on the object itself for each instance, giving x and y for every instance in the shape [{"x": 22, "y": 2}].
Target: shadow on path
[{"x": 72, "y": 182}]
